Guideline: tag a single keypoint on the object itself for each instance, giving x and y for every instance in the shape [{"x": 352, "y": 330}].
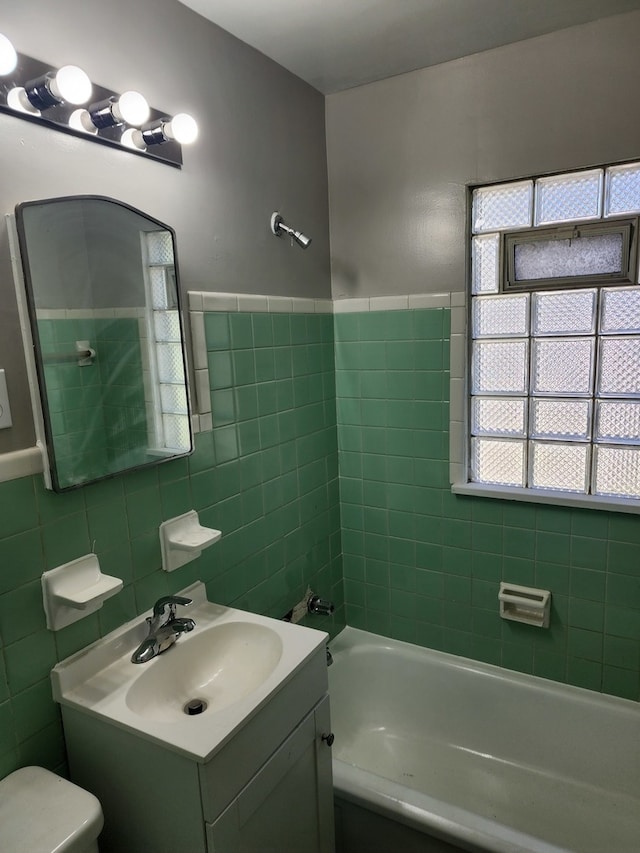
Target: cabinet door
[{"x": 288, "y": 805}]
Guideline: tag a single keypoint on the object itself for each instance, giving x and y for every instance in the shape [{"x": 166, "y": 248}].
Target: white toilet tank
[{"x": 44, "y": 813}]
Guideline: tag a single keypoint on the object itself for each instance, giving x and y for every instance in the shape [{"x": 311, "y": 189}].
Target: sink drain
[{"x": 195, "y": 706}]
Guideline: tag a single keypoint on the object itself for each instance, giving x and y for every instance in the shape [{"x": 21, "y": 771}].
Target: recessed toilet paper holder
[{"x": 525, "y": 604}]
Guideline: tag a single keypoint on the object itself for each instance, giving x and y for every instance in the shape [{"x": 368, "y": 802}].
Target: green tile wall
[
  {"x": 419, "y": 563},
  {"x": 424, "y": 565},
  {"x": 73, "y": 393},
  {"x": 121, "y": 378},
  {"x": 266, "y": 476},
  {"x": 94, "y": 439}
]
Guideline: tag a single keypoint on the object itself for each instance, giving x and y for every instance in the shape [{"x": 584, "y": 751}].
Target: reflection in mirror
[{"x": 104, "y": 309}]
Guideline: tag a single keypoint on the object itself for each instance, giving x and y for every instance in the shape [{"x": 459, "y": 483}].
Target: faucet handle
[
  {"x": 171, "y": 601},
  {"x": 320, "y": 606}
]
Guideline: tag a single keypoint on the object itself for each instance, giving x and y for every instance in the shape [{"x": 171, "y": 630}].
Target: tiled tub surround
[
  {"x": 266, "y": 474},
  {"x": 424, "y": 565}
]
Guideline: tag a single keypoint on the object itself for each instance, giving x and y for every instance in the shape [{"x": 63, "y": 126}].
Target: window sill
[{"x": 548, "y": 497}]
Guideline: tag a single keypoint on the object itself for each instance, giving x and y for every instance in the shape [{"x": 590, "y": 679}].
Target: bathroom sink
[
  {"x": 195, "y": 696},
  {"x": 220, "y": 666}
]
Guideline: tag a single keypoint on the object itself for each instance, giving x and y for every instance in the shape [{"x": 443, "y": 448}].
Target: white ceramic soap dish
[
  {"x": 183, "y": 539},
  {"x": 74, "y": 590}
]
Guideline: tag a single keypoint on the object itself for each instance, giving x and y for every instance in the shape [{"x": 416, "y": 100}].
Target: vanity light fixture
[{"x": 57, "y": 98}]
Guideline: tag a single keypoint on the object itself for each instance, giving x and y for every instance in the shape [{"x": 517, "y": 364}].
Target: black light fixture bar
[{"x": 56, "y": 116}]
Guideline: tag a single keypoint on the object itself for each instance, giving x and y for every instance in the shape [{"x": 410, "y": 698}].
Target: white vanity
[{"x": 251, "y": 773}]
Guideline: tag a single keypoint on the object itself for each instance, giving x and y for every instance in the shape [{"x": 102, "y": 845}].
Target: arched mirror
[{"x": 102, "y": 294}]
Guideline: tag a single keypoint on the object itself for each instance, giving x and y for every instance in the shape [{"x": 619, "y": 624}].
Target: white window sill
[{"x": 547, "y": 496}]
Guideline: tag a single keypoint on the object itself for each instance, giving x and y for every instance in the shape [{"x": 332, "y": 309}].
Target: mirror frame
[{"x": 51, "y": 471}]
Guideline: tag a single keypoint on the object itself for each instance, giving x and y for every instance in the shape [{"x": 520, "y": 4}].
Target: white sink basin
[
  {"x": 234, "y": 662},
  {"x": 220, "y": 666}
]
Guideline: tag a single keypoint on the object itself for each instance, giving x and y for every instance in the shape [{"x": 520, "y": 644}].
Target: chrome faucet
[
  {"x": 320, "y": 606},
  {"x": 163, "y": 632}
]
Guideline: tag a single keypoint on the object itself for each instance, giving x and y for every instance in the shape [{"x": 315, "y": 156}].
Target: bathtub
[{"x": 434, "y": 752}]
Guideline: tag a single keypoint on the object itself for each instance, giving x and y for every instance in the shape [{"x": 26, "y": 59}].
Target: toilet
[{"x": 41, "y": 812}]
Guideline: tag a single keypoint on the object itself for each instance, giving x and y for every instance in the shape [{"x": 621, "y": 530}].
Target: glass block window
[
  {"x": 566, "y": 198},
  {"x": 622, "y": 193},
  {"x": 498, "y": 462},
  {"x": 617, "y": 422},
  {"x": 504, "y": 206},
  {"x": 486, "y": 266},
  {"x": 498, "y": 416},
  {"x": 564, "y": 313},
  {"x": 619, "y": 367},
  {"x": 617, "y": 471},
  {"x": 503, "y": 316},
  {"x": 563, "y": 420},
  {"x": 620, "y": 312},
  {"x": 169, "y": 403},
  {"x": 558, "y": 466},
  {"x": 554, "y": 380},
  {"x": 562, "y": 366},
  {"x": 500, "y": 367}
]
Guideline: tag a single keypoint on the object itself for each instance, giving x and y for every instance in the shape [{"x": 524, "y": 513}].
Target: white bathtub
[{"x": 465, "y": 754}]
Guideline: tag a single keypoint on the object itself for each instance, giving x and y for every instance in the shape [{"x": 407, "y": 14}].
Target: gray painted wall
[
  {"x": 401, "y": 151},
  {"x": 85, "y": 254},
  {"x": 262, "y": 148}
]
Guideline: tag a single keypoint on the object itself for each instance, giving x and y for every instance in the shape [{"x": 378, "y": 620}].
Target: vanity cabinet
[
  {"x": 284, "y": 807},
  {"x": 267, "y": 789}
]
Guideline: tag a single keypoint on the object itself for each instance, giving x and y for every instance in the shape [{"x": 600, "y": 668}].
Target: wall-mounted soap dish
[
  {"x": 74, "y": 590},
  {"x": 525, "y": 604},
  {"x": 183, "y": 539}
]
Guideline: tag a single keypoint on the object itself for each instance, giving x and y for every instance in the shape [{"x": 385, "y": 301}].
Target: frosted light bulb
[
  {"x": 132, "y": 138},
  {"x": 8, "y": 56},
  {"x": 183, "y": 128},
  {"x": 81, "y": 120},
  {"x": 71, "y": 84},
  {"x": 132, "y": 108},
  {"x": 17, "y": 100}
]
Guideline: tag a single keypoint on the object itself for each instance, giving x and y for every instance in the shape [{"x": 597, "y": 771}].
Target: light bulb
[
  {"x": 81, "y": 120},
  {"x": 183, "y": 128},
  {"x": 132, "y": 138},
  {"x": 8, "y": 56},
  {"x": 132, "y": 108},
  {"x": 17, "y": 99},
  {"x": 71, "y": 84}
]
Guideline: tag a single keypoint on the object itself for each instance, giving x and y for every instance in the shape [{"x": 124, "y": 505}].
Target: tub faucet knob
[{"x": 320, "y": 606}]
